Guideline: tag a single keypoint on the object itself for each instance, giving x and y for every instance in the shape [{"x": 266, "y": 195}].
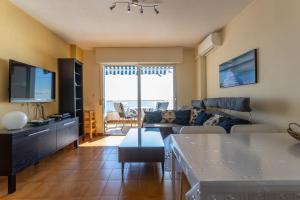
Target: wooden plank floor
[{"x": 90, "y": 173}]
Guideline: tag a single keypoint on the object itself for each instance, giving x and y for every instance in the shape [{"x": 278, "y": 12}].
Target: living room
[{"x": 94, "y": 34}]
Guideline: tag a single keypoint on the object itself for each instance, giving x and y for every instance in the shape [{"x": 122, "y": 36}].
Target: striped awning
[{"x": 132, "y": 70}]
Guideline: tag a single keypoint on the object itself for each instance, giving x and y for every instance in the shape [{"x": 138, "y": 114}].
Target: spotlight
[
  {"x": 128, "y": 8},
  {"x": 112, "y": 7},
  {"x": 135, "y": 2},
  {"x": 142, "y": 10},
  {"x": 156, "y": 10}
]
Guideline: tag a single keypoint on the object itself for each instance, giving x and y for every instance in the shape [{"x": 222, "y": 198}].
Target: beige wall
[
  {"x": 185, "y": 71},
  {"x": 201, "y": 82},
  {"x": 272, "y": 26},
  {"x": 186, "y": 78},
  {"x": 24, "y": 39},
  {"x": 139, "y": 55}
]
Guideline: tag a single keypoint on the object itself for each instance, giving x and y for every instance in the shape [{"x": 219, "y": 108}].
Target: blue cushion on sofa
[
  {"x": 201, "y": 118},
  {"x": 182, "y": 117},
  {"x": 153, "y": 117},
  {"x": 227, "y": 122}
]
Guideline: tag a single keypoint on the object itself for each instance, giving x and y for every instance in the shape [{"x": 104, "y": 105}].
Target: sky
[{"x": 153, "y": 87}]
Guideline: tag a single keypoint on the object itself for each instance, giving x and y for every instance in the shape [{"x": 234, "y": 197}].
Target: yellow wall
[
  {"x": 185, "y": 71},
  {"x": 24, "y": 39},
  {"x": 273, "y": 27},
  {"x": 76, "y": 52},
  {"x": 201, "y": 81},
  {"x": 186, "y": 78},
  {"x": 92, "y": 90}
]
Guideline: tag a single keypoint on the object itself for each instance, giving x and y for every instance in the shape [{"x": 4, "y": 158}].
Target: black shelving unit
[{"x": 71, "y": 89}]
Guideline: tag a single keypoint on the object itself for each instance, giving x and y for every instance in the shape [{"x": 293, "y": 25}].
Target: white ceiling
[{"x": 90, "y": 23}]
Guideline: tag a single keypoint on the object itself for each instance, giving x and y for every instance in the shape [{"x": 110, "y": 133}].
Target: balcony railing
[{"x": 133, "y": 104}]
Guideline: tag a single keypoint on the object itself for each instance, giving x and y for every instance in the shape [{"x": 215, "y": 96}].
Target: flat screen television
[
  {"x": 239, "y": 71},
  {"x": 30, "y": 83}
]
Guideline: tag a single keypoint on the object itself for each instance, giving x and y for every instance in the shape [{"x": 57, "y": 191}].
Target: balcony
[{"x": 118, "y": 122}]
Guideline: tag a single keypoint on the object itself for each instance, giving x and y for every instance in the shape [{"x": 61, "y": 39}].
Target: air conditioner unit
[{"x": 209, "y": 43}]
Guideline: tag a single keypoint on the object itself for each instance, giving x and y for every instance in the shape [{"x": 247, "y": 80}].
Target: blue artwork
[{"x": 239, "y": 71}]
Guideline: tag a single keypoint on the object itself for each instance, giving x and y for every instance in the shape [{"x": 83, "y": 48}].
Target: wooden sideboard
[{"x": 22, "y": 148}]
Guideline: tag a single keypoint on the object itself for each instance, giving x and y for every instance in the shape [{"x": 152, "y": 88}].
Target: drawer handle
[
  {"x": 66, "y": 124},
  {"x": 43, "y": 131}
]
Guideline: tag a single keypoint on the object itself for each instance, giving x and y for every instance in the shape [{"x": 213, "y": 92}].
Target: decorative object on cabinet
[
  {"x": 89, "y": 123},
  {"x": 14, "y": 120}
]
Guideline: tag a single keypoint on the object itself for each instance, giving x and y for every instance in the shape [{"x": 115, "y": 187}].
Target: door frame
[{"x": 139, "y": 100}]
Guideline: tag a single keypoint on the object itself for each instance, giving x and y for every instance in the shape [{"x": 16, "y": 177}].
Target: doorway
[{"x": 131, "y": 90}]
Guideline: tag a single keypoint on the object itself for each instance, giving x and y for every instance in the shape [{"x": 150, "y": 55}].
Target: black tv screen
[
  {"x": 239, "y": 71},
  {"x": 30, "y": 84}
]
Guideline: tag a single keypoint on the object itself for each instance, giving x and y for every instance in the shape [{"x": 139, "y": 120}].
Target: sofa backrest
[{"x": 241, "y": 104}]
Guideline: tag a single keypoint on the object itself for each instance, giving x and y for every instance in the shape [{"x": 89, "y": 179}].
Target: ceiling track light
[
  {"x": 128, "y": 8},
  {"x": 136, "y": 3},
  {"x": 112, "y": 6},
  {"x": 142, "y": 10},
  {"x": 156, "y": 10}
]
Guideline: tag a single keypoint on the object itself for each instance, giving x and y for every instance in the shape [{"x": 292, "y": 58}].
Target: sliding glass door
[
  {"x": 130, "y": 90},
  {"x": 157, "y": 87}
]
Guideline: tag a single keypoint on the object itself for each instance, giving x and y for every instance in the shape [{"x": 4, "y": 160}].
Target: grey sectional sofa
[{"x": 240, "y": 104}]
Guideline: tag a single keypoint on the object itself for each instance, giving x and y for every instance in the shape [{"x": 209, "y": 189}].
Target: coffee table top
[{"x": 142, "y": 137}]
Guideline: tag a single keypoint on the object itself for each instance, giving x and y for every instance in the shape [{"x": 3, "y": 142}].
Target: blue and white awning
[{"x": 132, "y": 70}]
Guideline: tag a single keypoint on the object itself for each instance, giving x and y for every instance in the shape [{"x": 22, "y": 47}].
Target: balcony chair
[
  {"x": 126, "y": 115},
  {"x": 162, "y": 106}
]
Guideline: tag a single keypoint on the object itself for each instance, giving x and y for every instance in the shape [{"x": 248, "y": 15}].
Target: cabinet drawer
[
  {"x": 47, "y": 143},
  {"x": 25, "y": 149},
  {"x": 67, "y": 132}
]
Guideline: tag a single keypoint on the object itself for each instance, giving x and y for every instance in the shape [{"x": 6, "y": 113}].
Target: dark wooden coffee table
[{"x": 142, "y": 145}]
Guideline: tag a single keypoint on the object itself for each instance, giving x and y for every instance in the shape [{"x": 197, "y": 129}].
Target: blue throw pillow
[
  {"x": 182, "y": 117},
  {"x": 201, "y": 118},
  {"x": 227, "y": 122},
  {"x": 153, "y": 117}
]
